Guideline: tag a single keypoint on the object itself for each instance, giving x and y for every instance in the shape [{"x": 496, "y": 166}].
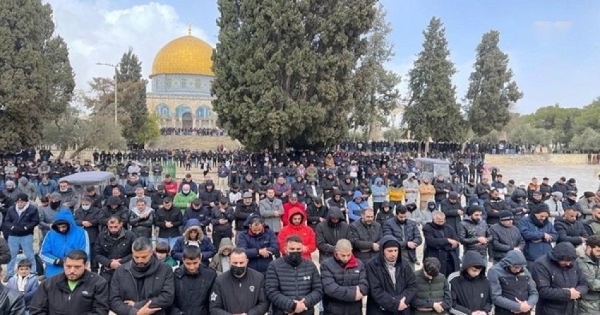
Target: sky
[{"x": 553, "y": 45}]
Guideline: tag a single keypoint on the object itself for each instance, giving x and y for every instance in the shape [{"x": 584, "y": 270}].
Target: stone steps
[{"x": 193, "y": 143}]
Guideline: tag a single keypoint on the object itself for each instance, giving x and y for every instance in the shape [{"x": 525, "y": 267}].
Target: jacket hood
[
  {"x": 563, "y": 251},
  {"x": 64, "y": 217},
  {"x": 335, "y": 212},
  {"x": 472, "y": 259},
  {"x": 226, "y": 243},
  {"x": 513, "y": 258},
  {"x": 357, "y": 194},
  {"x": 294, "y": 211},
  {"x": 191, "y": 225},
  {"x": 518, "y": 193},
  {"x": 378, "y": 179},
  {"x": 249, "y": 219},
  {"x": 430, "y": 202}
]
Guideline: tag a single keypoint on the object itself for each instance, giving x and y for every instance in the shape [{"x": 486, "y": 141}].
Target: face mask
[
  {"x": 54, "y": 205},
  {"x": 64, "y": 189},
  {"x": 237, "y": 270},
  {"x": 85, "y": 207},
  {"x": 295, "y": 258},
  {"x": 185, "y": 192}
]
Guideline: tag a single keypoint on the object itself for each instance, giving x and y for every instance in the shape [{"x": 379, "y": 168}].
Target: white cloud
[
  {"x": 552, "y": 28},
  {"x": 96, "y": 33}
]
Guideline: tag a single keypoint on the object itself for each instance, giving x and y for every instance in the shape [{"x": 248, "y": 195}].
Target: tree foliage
[
  {"x": 526, "y": 134},
  {"x": 375, "y": 91},
  {"x": 132, "y": 91},
  {"x": 393, "y": 134},
  {"x": 561, "y": 121},
  {"x": 432, "y": 110},
  {"x": 284, "y": 69},
  {"x": 588, "y": 140},
  {"x": 35, "y": 77},
  {"x": 491, "y": 89}
]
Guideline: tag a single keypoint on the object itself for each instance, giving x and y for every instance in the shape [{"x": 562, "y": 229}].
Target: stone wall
[{"x": 536, "y": 159}]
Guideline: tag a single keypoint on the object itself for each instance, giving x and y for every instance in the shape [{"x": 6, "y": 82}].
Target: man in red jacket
[
  {"x": 297, "y": 226},
  {"x": 292, "y": 203}
]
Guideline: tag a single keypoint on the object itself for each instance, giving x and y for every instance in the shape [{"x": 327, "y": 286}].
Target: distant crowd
[{"x": 170, "y": 131}]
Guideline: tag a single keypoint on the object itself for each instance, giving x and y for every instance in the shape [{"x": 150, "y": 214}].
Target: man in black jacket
[
  {"x": 344, "y": 281},
  {"x": 11, "y": 301},
  {"x": 364, "y": 235},
  {"x": 453, "y": 210},
  {"x": 73, "y": 291},
  {"x": 20, "y": 222},
  {"x": 442, "y": 243},
  {"x": 239, "y": 291},
  {"x": 559, "y": 281},
  {"x": 113, "y": 247},
  {"x": 293, "y": 284},
  {"x": 474, "y": 234},
  {"x": 406, "y": 233},
  {"x": 193, "y": 284},
  {"x": 442, "y": 188},
  {"x": 168, "y": 219},
  {"x": 470, "y": 288},
  {"x": 513, "y": 289},
  {"x": 221, "y": 219},
  {"x": 329, "y": 232},
  {"x": 505, "y": 237},
  {"x": 88, "y": 217},
  {"x": 570, "y": 229},
  {"x": 144, "y": 285},
  {"x": 392, "y": 281}
]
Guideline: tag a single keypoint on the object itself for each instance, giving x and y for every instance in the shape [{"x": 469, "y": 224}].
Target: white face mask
[
  {"x": 64, "y": 189},
  {"x": 85, "y": 207},
  {"x": 186, "y": 191}
]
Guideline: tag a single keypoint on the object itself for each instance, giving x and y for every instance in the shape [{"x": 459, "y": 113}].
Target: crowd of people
[
  {"x": 172, "y": 131},
  {"x": 245, "y": 241}
]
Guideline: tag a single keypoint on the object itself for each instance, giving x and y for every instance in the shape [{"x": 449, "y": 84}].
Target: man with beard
[
  {"x": 292, "y": 283},
  {"x": 329, "y": 185},
  {"x": 193, "y": 284},
  {"x": 586, "y": 203},
  {"x": 113, "y": 207},
  {"x": 209, "y": 195},
  {"x": 442, "y": 243},
  {"x": 159, "y": 196},
  {"x": 391, "y": 279},
  {"x": 316, "y": 213},
  {"x": 589, "y": 304},
  {"x": 221, "y": 219},
  {"x": 592, "y": 226},
  {"x": 344, "y": 281},
  {"x": 243, "y": 209},
  {"x": 453, "y": 210},
  {"x": 559, "y": 281},
  {"x": 240, "y": 290},
  {"x": 271, "y": 209},
  {"x": 474, "y": 234},
  {"x": 259, "y": 242},
  {"x": 538, "y": 233},
  {"x": 329, "y": 232},
  {"x": 364, "y": 236},
  {"x": 113, "y": 247},
  {"x": 143, "y": 285},
  {"x": 406, "y": 233},
  {"x": 513, "y": 289},
  {"x": 493, "y": 206},
  {"x": 505, "y": 237},
  {"x": 569, "y": 229},
  {"x": 168, "y": 219},
  {"x": 337, "y": 201},
  {"x": 555, "y": 205},
  {"x": 73, "y": 291}
]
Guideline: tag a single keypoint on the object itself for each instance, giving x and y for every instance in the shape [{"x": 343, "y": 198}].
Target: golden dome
[{"x": 184, "y": 55}]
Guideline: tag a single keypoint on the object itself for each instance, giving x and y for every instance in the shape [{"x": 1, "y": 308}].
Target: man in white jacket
[{"x": 555, "y": 205}]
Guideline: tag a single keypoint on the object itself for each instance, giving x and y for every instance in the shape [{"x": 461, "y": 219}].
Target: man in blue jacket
[
  {"x": 356, "y": 206},
  {"x": 19, "y": 224},
  {"x": 538, "y": 233},
  {"x": 64, "y": 237},
  {"x": 380, "y": 193},
  {"x": 259, "y": 242}
]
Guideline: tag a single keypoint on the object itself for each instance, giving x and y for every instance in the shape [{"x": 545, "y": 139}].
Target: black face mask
[
  {"x": 294, "y": 258},
  {"x": 54, "y": 205},
  {"x": 237, "y": 270}
]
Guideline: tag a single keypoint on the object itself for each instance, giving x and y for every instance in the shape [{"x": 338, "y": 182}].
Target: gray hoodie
[{"x": 506, "y": 287}]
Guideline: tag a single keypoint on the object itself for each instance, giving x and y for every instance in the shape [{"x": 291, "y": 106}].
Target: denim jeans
[
  {"x": 145, "y": 180},
  {"x": 25, "y": 242},
  {"x": 170, "y": 240},
  {"x": 157, "y": 179}
]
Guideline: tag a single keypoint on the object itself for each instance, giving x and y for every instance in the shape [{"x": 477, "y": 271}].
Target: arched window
[
  {"x": 163, "y": 111},
  {"x": 204, "y": 112},
  {"x": 182, "y": 109}
]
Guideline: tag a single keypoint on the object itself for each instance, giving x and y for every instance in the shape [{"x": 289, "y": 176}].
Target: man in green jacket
[{"x": 589, "y": 304}]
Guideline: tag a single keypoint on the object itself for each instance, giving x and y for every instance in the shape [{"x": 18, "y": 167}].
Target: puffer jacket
[
  {"x": 339, "y": 286},
  {"x": 505, "y": 239},
  {"x": 411, "y": 234},
  {"x": 571, "y": 232},
  {"x": 285, "y": 283},
  {"x": 451, "y": 211},
  {"x": 470, "y": 294},
  {"x": 470, "y": 231},
  {"x": 206, "y": 246},
  {"x": 363, "y": 236},
  {"x": 356, "y": 206},
  {"x": 516, "y": 203},
  {"x": 109, "y": 247},
  {"x": 302, "y": 230},
  {"x": 589, "y": 304},
  {"x": 385, "y": 295},
  {"x": 328, "y": 233},
  {"x": 493, "y": 207},
  {"x": 507, "y": 287},
  {"x": 430, "y": 291},
  {"x": 380, "y": 192},
  {"x": 142, "y": 227},
  {"x": 551, "y": 279},
  {"x": 535, "y": 244},
  {"x": 192, "y": 291},
  {"x": 242, "y": 212},
  {"x": 252, "y": 243}
]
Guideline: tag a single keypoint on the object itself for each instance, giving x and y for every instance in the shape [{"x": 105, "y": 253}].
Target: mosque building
[{"x": 181, "y": 79}]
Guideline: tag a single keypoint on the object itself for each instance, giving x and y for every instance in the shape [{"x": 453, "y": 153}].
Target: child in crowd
[
  {"x": 162, "y": 251},
  {"x": 24, "y": 281}
]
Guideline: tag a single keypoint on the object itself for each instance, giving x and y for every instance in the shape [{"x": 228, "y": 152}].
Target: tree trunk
[
  {"x": 79, "y": 150},
  {"x": 63, "y": 151},
  {"x": 426, "y": 148}
]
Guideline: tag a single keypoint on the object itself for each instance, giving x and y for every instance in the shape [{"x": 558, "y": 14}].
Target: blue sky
[{"x": 554, "y": 46}]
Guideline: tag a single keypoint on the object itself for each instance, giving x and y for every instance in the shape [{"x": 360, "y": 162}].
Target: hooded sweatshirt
[
  {"x": 329, "y": 233},
  {"x": 356, "y": 206},
  {"x": 470, "y": 294},
  {"x": 206, "y": 246},
  {"x": 220, "y": 262},
  {"x": 380, "y": 192},
  {"x": 507, "y": 286},
  {"x": 57, "y": 245},
  {"x": 302, "y": 230}
]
